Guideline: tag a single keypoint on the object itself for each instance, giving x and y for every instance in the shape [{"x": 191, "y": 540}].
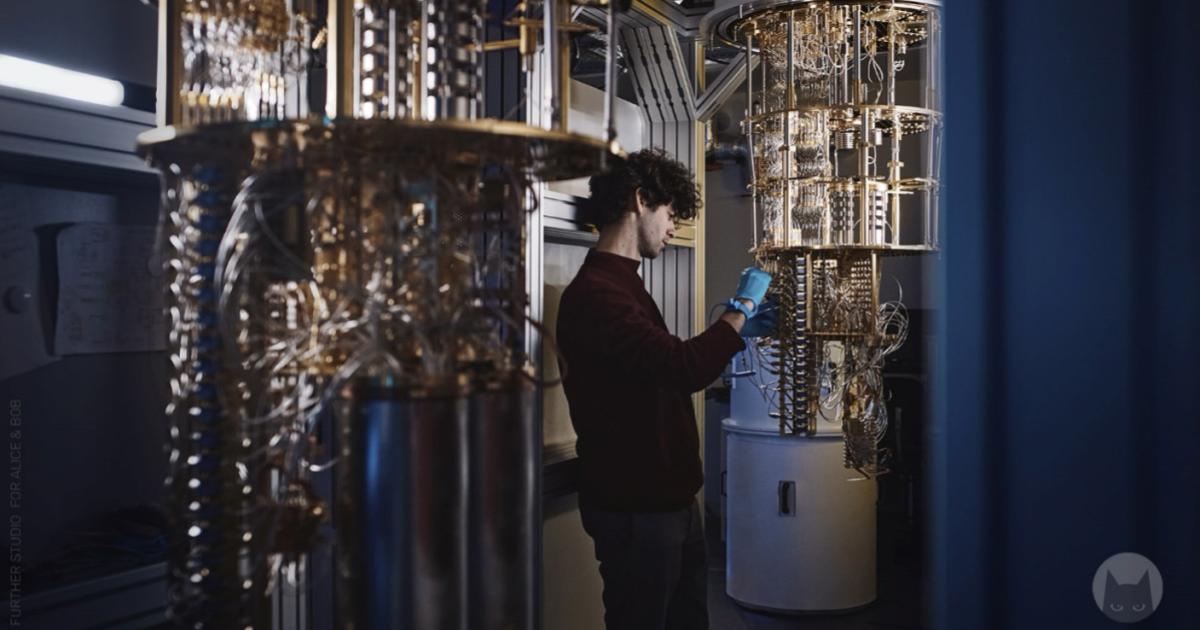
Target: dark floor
[{"x": 899, "y": 605}]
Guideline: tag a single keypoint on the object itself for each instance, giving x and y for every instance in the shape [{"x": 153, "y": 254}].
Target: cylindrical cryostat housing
[
  {"x": 505, "y": 502},
  {"x": 439, "y": 508},
  {"x": 402, "y": 519}
]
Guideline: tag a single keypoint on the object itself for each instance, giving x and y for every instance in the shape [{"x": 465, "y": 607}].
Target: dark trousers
[{"x": 654, "y": 568}]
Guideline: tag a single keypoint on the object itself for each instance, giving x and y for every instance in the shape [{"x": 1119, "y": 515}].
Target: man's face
[{"x": 656, "y": 225}]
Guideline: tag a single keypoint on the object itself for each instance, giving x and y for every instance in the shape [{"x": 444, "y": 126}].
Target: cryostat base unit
[{"x": 800, "y": 530}]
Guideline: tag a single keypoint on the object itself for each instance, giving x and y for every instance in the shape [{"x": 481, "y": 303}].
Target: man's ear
[{"x": 639, "y": 206}]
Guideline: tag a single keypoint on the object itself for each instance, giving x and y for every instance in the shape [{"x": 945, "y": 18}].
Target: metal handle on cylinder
[{"x": 787, "y": 498}]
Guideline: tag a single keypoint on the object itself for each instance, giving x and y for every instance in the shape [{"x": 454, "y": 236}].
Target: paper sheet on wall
[{"x": 108, "y": 298}]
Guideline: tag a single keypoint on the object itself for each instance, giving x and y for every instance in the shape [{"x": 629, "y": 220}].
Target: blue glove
[
  {"x": 764, "y": 322},
  {"x": 752, "y": 286}
]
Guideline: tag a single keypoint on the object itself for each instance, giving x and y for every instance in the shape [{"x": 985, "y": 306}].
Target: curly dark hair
[{"x": 659, "y": 178}]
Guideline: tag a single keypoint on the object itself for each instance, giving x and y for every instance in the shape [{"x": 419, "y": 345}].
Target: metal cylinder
[
  {"x": 454, "y": 36},
  {"x": 403, "y": 508},
  {"x": 505, "y": 507},
  {"x": 844, "y": 139},
  {"x": 814, "y": 554},
  {"x": 874, "y": 214},
  {"x": 841, "y": 215}
]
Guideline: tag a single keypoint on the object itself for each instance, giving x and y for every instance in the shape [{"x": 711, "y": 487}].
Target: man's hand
[
  {"x": 752, "y": 288},
  {"x": 764, "y": 322}
]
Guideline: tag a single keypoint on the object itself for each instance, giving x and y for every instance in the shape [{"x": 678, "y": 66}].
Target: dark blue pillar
[{"x": 1068, "y": 427}]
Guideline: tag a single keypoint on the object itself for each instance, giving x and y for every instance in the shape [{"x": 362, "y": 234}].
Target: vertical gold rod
[
  {"x": 933, "y": 61},
  {"x": 750, "y": 139},
  {"x": 785, "y": 154},
  {"x": 564, "y": 66},
  {"x": 791, "y": 61},
  {"x": 844, "y": 16},
  {"x": 801, "y": 340},
  {"x": 874, "y": 282},
  {"x": 808, "y": 291},
  {"x": 786, "y": 149},
  {"x": 864, "y": 195},
  {"x": 699, "y": 303},
  {"x": 894, "y": 165},
  {"x": 340, "y": 62},
  {"x": 857, "y": 51},
  {"x": 894, "y": 183},
  {"x": 933, "y": 75},
  {"x": 418, "y": 67},
  {"x": 550, "y": 77},
  {"x": 170, "y": 63},
  {"x": 393, "y": 98},
  {"x": 891, "y": 73},
  {"x": 762, "y": 110}
]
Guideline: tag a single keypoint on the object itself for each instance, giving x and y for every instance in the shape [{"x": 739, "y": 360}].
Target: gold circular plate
[
  {"x": 883, "y": 250},
  {"x": 727, "y": 22},
  {"x": 543, "y": 154}
]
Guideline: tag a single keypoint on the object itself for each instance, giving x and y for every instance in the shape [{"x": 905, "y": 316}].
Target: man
[{"x": 628, "y": 383}]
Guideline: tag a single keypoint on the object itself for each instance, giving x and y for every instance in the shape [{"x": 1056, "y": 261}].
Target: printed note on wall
[{"x": 108, "y": 299}]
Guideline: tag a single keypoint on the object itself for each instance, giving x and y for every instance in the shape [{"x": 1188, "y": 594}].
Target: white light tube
[{"x": 46, "y": 79}]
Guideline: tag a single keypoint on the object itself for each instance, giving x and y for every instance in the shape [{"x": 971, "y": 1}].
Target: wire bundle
[{"x": 827, "y": 360}]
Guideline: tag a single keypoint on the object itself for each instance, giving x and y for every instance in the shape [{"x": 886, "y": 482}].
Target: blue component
[
  {"x": 207, "y": 199},
  {"x": 207, "y": 175},
  {"x": 208, "y": 246},
  {"x": 206, "y": 439},
  {"x": 206, "y": 318},
  {"x": 206, "y": 343},
  {"x": 206, "y": 270},
  {"x": 204, "y": 366},
  {"x": 206, "y": 512},
  {"x": 206, "y": 294},
  {"x": 206, "y": 463},
  {"x": 211, "y": 223},
  {"x": 205, "y": 488},
  {"x": 205, "y": 391},
  {"x": 207, "y": 535},
  {"x": 204, "y": 414}
]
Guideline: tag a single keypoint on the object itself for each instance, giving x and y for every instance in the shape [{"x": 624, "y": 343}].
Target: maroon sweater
[{"x": 629, "y": 384}]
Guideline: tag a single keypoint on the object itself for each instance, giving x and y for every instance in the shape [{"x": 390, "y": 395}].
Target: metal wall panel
[{"x": 669, "y": 280}]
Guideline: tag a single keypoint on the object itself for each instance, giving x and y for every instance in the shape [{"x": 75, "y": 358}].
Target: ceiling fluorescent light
[{"x": 46, "y": 79}]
